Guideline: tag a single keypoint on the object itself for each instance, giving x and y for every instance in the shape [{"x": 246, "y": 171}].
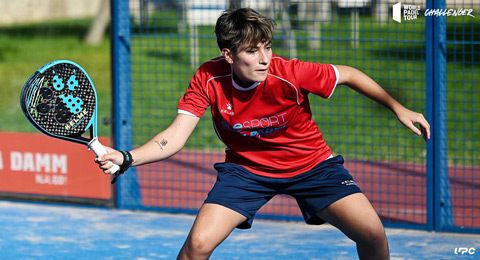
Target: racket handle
[{"x": 99, "y": 150}]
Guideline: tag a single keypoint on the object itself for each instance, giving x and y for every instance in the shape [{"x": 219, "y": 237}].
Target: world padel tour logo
[{"x": 412, "y": 12}]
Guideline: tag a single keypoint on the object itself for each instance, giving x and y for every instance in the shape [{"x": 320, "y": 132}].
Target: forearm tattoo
[{"x": 162, "y": 143}]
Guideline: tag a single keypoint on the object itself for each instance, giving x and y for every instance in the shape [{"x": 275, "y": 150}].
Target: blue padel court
[{"x": 52, "y": 231}]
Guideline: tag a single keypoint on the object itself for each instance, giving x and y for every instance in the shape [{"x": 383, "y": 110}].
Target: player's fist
[{"x": 108, "y": 160}]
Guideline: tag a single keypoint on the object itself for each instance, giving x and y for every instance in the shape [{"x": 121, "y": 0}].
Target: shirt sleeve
[
  {"x": 319, "y": 79},
  {"x": 195, "y": 100}
]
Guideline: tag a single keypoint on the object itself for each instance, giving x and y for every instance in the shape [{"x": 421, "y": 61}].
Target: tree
[{"x": 96, "y": 31}]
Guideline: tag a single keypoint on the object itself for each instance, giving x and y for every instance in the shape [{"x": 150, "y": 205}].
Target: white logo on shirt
[{"x": 228, "y": 110}]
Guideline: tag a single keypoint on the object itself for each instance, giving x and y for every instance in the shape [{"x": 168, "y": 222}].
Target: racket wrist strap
[{"x": 127, "y": 161}]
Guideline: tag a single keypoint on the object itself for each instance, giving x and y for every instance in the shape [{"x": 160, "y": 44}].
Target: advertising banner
[{"x": 33, "y": 163}]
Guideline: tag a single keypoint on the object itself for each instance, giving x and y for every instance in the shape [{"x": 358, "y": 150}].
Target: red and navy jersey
[{"x": 267, "y": 127}]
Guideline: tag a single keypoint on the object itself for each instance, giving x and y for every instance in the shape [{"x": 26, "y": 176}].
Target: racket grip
[{"x": 99, "y": 150}]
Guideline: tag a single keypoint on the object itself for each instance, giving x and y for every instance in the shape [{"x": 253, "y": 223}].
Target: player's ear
[{"x": 227, "y": 54}]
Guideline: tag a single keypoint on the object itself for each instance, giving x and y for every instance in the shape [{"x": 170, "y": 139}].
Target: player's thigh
[
  {"x": 354, "y": 216},
  {"x": 213, "y": 224}
]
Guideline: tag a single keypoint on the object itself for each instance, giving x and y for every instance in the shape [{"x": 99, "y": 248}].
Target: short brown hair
[{"x": 243, "y": 26}]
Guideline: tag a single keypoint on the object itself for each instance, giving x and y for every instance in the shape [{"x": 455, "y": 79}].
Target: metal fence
[{"x": 425, "y": 53}]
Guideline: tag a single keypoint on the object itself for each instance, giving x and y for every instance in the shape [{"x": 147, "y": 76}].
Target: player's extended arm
[
  {"x": 365, "y": 85},
  {"x": 160, "y": 147}
]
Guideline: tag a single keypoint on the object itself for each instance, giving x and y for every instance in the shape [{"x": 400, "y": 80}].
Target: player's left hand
[{"x": 409, "y": 118}]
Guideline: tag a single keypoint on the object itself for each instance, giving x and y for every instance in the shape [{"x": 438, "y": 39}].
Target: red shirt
[{"x": 267, "y": 127}]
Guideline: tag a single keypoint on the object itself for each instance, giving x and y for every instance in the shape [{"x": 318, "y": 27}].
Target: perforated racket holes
[
  {"x": 44, "y": 107},
  {"x": 62, "y": 113},
  {"x": 75, "y": 104},
  {"x": 72, "y": 82},
  {"x": 57, "y": 83}
]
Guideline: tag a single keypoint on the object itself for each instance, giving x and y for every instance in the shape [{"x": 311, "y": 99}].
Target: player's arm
[
  {"x": 365, "y": 85},
  {"x": 160, "y": 147}
]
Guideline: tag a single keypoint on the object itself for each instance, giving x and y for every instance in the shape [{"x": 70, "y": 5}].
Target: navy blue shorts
[{"x": 245, "y": 192}]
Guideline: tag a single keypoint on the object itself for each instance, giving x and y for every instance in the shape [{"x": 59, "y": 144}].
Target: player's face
[{"x": 250, "y": 63}]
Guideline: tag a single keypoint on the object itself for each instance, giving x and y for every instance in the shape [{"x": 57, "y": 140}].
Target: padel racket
[{"x": 60, "y": 100}]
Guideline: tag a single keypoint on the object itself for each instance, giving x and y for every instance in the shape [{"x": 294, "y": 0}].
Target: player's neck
[{"x": 241, "y": 83}]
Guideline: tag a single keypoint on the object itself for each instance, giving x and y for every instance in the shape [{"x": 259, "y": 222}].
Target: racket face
[{"x": 60, "y": 100}]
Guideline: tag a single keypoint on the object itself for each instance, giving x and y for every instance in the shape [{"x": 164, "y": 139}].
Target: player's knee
[
  {"x": 373, "y": 235},
  {"x": 199, "y": 245}
]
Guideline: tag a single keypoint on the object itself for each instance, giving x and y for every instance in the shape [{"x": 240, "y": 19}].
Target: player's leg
[
  {"x": 213, "y": 224},
  {"x": 329, "y": 193},
  {"x": 356, "y": 218},
  {"x": 233, "y": 202}
]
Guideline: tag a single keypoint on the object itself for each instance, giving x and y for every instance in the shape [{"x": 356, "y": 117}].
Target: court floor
[{"x": 53, "y": 231}]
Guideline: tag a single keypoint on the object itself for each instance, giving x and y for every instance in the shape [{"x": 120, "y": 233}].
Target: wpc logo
[
  {"x": 410, "y": 12},
  {"x": 464, "y": 250}
]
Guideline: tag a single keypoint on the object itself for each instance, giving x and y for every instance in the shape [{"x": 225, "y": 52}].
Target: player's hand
[
  {"x": 410, "y": 118},
  {"x": 106, "y": 161}
]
